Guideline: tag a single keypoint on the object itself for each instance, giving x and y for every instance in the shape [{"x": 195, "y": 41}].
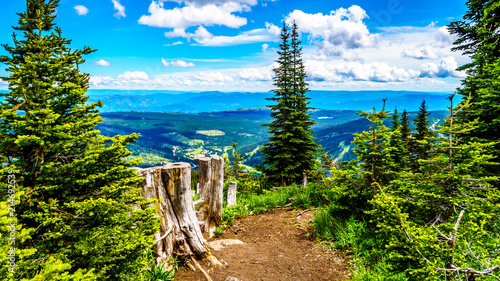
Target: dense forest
[{"x": 414, "y": 201}]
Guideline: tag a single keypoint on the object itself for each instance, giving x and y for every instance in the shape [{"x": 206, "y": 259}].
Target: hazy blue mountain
[{"x": 189, "y": 102}]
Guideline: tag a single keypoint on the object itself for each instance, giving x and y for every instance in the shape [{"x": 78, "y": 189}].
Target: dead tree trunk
[
  {"x": 211, "y": 178},
  {"x": 231, "y": 193},
  {"x": 179, "y": 232}
]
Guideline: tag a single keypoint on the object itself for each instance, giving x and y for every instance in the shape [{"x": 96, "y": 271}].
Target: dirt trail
[{"x": 275, "y": 248}]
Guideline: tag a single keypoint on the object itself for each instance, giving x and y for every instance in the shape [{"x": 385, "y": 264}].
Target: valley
[{"x": 178, "y": 137}]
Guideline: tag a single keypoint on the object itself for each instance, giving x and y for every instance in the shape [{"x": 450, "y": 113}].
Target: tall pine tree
[
  {"x": 478, "y": 37},
  {"x": 399, "y": 152},
  {"x": 421, "y": 139},
  {"x": 291, "y": 148},
  {"x": 73, "y": 196}
]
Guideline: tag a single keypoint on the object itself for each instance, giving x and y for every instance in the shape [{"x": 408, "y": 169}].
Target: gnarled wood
[
  {"x": 179, "y": 230},
  {"x": 211, "y": 176}
]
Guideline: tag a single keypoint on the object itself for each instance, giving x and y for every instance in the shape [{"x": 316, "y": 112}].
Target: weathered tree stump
[
  {"x": 231, "y": 193},
  {"x": 211, "y": 176},
  {"x": 179, "y": 233}
]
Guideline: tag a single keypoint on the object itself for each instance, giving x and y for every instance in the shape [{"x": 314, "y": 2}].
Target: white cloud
[
  {"x": 444, "y": 37},
  {"x": 174, "y": 44},
  {"x": 134, "y": 75},
  {"x": 273, "y": 30},
  {"x": 342, "y": 27},
  {"x": 322, "y": 76},
  {"x": 177, "y": 63},
  {"x": 203, "y": 37},
  {"x": 120, "y": 10},
  {"x": 265, "y": 47},
  {"x": 421, "y": 52},
  {"x": 213, "y": 76},
  {"x": 258, "y": 74},
  {"x": 447, "y": 67},
  {"x": 81, "y": 10},
  {"x": 342, "y": 71},
  {"x": 206, "y": 2},
  {"x": 102, "y": 63},
  {"x": 194, "y": 15}
]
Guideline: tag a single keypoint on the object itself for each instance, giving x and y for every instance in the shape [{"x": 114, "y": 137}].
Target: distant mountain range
[
  {"x": 189, "y": 102},
  {"x": 179, "y": 136}
]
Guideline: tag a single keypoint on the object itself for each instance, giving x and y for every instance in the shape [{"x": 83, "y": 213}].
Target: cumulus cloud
[
  {"x": 342, "y": 27},
  {"x": 81, "y": 10},
  {"x": 447, "y": 67},
  {"x": 347, "y": 71},
  {"x": 120, "y": 10},
  {"x": 195, "y": 15},
  {"x": 177, "y": 63},
  {"x": 134, "y": 75},
  {"x": 444, "y": 37},
  {"x": 258, "y": 74},
  {"x": 265, "y": 47},
  {"x": 273, "y": 30},
  {"x": 102, "y": 63},
  {"x": 434, "y": 42},
  {"x": 421, "y": 52}
]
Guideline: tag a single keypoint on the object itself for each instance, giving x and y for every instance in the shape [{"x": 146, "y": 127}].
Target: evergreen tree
[
  {"x": 397, "y": 142},
  {"x": 421, "y": 139},
  {"x": 478, "y": 37},
  {"x": 236, "y": 168},
  {"x": 291, "y": 148},
  {"x": 405, "y": 130},
  {"x": 419, "y": 212},
  {"x": 374, "y": 149},
  {"x": 74, "y": 198}
]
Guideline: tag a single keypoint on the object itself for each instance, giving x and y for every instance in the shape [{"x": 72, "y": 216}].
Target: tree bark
[
  {"x": 179, "y": 232},
  {"x": 211, "y": 176},
  {"x": 231, "y": 193}
]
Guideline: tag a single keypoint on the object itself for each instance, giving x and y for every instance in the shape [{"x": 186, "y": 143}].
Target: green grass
[{"x": 350, "y": 236}]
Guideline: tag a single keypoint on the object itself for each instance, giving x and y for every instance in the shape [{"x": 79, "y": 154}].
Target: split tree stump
[
  {"x": 180, "y": 233},
  {"x": 231, "y": 193},
  {"x": 211, "y": 177}
]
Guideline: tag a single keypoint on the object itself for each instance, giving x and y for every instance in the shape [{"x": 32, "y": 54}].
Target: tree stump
[
  {"x": 231, "y": 193},
  {"x": 179, "y": 233},
  {"x": 211, "y": 176}
]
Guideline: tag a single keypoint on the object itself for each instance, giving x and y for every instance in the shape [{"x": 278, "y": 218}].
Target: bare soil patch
[{"x": 275, "y": 248}]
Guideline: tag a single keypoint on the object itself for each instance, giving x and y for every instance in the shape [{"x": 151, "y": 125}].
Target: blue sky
[{"x": 230, "y": 45}]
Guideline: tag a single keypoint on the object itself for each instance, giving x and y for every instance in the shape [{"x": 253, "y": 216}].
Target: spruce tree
[
  {"x": 236, "y": 168},
  {"x": 291, "y": 148},
  {"x": 399, "y": 152},
  {"x": 442, "y": 220},
  {"x": 405, "y": 129},
  {"x": 420, "y": 145},
  {"x": 374, "y": 149},
  {"x": 478, "y": 37},
  {"x": 74, "y": 192}
]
